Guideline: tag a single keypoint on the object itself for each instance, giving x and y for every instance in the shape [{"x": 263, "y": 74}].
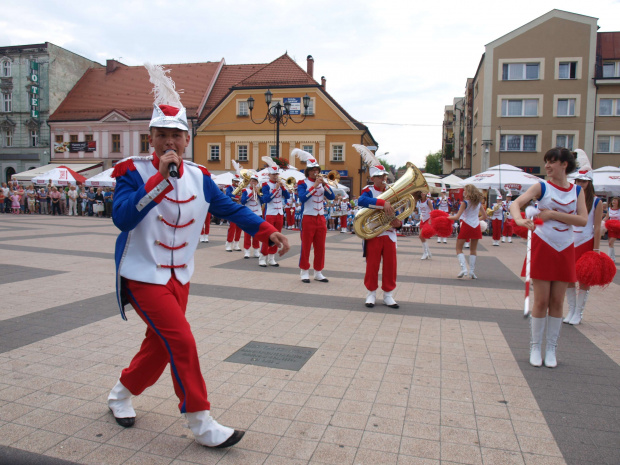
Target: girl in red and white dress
[
  {"x": 587, "y": 239},
  {"x": 613, "y": 213},
  {"x": 496, "y": 220},
  {"x": 443, "y": 204},
  {"x": 507, "y": 230},
  {"x": 561, "y": 206},
  {"x": 469, "y": 212},
  {"x": 424, "y": 207}
]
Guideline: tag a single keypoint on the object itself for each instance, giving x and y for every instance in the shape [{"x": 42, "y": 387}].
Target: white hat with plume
[
  {"x": 168, "y": 111},
  {"x": 376, "y": 167}
]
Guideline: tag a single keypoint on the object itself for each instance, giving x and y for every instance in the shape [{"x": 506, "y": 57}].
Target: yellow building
[{"x": 227, "y": 129}]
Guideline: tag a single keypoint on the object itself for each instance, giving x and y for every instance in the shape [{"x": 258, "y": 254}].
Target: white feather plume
[
  {"x": 583, "y": 162},
  {"x": 269, "y": 162},
  {"x": 302, "y": 155},
  {"x": 367, "y": 155},
  {"x": 237, "y": 167},
  {"x": 163, "y": 86}
]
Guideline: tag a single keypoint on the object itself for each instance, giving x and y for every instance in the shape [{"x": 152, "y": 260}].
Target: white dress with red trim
[
  {"x": 470, "y": 222},
  {"x": 425, "y": 212},
  {"x": 584, "y": 236},
  {"x": 443, "y": 205},
  {"x": 553, "y": 249},
  {"x": 613, "y": 215}
]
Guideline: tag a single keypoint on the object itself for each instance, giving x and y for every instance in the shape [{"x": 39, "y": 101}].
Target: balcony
[{"x": 600, "y": 80}]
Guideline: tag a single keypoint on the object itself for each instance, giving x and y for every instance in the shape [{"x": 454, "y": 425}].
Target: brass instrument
[
  {"x": 490, "y": 211},
  {"x": 369, "y": 223},
  {"x": 246, "y": 175},
  {"x": 290, "y": 184}
]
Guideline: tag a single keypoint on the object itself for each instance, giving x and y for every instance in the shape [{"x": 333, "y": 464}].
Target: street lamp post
[{"x": 278, "y": 114}]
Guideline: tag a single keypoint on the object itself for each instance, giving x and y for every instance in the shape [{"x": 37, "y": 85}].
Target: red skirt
[
  {"x": 583, "y": 248},
  {"x": 550, "y": 265},
  {"x": 422, "y": 223},
  {"x": 468, "y": 233},
  {"x": 613, "y": 235}
]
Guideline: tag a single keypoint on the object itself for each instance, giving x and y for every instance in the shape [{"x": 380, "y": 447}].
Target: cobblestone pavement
[{"x": 443, "y": 379}]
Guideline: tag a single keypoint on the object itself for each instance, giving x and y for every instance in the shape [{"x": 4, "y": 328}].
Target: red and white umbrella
[
  {"x": 103, "y": 179},
  {"x": 505, "y": 177},
  {"x": 61, "y": 176}
]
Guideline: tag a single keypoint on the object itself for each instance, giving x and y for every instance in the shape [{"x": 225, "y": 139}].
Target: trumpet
[
  {"x": 332, "y": 178},
  {"x": 289, "y": 183},
  {"x": 490, "y": 211},
  {"x": 246, "y": 175}
]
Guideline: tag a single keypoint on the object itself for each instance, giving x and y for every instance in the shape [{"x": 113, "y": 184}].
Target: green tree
[
  {"x": 433, "y": 163},
  {"x": 388, "y": 167}
]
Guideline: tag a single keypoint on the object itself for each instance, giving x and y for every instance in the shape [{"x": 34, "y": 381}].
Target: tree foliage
[{"x": 433, "y": 163}]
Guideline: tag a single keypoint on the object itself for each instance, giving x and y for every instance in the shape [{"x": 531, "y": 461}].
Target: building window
[
  {"x": 144, "y": 143},
  {"x": 242, "y": 153},
  {"x": 566, "y": 107},
  {"x": 116, "y": 142},
  {"x": 310, "y": 109},
  {"x": 88, "y": 138},
  {"x": 522, "y": 107},
  {"x": 568, "y": 70},
  {"x": 7, "y": 102},
  {"x": 565, "y": 140},
  {"x": 337, "y": 152},
  {"x": 6, "y": 68},
  {"x": 34, "y": 138},
  {"x": 73, "y": 138},
  {"x": 308, "y": 148},
  {"x": 608, "y": 144},
  {"x": 476, "y": 89},
  {"x": 520, "y": 71},
  {"x": 609, "y": 107},
  {"x": 214, "y": 153},
  {"x": 273, "y": 152},
  {"x": 518, "y": 143},
  {"x": 59, "y": 139},
  {"x": 242, "y": 108},
  {"x": 611, "y": 69},
  {"x": 8, "y": 138}
]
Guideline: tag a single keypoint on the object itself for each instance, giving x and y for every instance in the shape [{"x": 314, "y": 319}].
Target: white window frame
[
  {"x": 7, "y": 102},
  {"x": 6, "y": 68},
  {"x": 271, "y": 150},
  {"x": 210, "y": 148},
  {"x": 311, "y": 111},
  {"x": 247, "y": 152},
  {"x": 614, "y": 141},
  {"x": 523, "y": 61},
  {"x": 616, "y": 72},
  {"x": 331, "y": 151},
  {"x": 308, "y": 148},
  {"x": 556, "y": 102},
  {"x": 501, "y": 98},
  {"x": 518, "y": 132},
  {"x": 523, "y": 101},
  {"x": 242, "y": 103},
  {"x": 34, "y": 138},
  {"x": 558, "y": 60},
  {"x": 8, "y": 138},
  {"x": 615, "y": 104},
  {"x": 565, "y": 132}
]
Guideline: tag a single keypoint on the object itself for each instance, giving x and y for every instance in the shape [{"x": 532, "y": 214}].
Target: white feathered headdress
[
  {"x": 168, "y": 111},
  {"x": 376, "y": 168},
  {"x": 238, "y": 168},
  {"x": 584, "y": 169},
  {"x": 272, "y": 167},
  {"x": 306, "y": 157}
]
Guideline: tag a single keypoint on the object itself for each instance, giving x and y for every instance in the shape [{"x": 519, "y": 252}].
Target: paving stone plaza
[{"x": 444, "y": 379}]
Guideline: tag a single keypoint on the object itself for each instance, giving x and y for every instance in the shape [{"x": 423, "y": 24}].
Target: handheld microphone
[{"x": 172, "y": 167}]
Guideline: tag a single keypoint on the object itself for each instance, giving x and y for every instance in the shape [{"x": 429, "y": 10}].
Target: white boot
[
  {"x": 256, "y": 253},
  {"x": 202, "y": 237},
  {"x": 206, "y": 238},
  {"x": 612, "y": 254},
  {"x": 236, "y": 246},
  {"x": 246, "y": 254},
  {"x": 472, "y": 267},
  {"x": 388, "y": 299},
  {"x": 424, "y": 252},
  {"x": 209, "y": 432},
  {"x": 510, "y": 239},
  {"x": 439, "y": 240},
  {"x": 503, "y": 238},
  {"x": 370, "y": 298},
  {"x": 262, "y": 260},
  {"x": 119, "y": 401},
  {"x": 571, "y": 296},
  {"x": 271, "y": 260},
  {"x": 582, "y": 298},
  {"x": 228, "y": 246},
  {"x": 467, "y": 245},
  {"x": 318, "y": 276},
  {"x": 463, "y": 264},
  {"x": 305, "y": 276},
  {"x": 428, "y": 250},
  {"x": 445, "y": 240},
  {"x": 537, "y": 329},
  {"x": 553, "y": 333}
]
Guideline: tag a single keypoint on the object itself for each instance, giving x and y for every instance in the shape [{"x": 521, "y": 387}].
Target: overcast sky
[{"x": 392, "y": 65}]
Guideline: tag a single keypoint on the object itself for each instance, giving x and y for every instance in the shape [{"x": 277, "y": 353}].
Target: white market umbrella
[
  {"x": 435, "y": 183},
  {"x": 224, "y": 179},
  {"x": 505, "y": 177},
  {"x": 453, "y": 182},
  {"x": 103, "y": 179},
  {"x": 606, "y": 180},
  {"x": 298, "y": 175},
  {"x": 61, "y": 176}
]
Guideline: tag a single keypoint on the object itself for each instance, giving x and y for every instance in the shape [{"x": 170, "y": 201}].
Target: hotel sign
[{"x": 34, "y": 89}]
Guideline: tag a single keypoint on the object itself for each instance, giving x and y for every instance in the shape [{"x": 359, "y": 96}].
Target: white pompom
[
  {"x": 532, "y": 212},
  {"x": 483, "y": 226}
]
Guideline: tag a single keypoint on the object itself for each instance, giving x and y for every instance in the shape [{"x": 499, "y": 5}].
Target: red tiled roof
[
  {"x": 228, "y": 77},
  {"x": 282, "y": 71},
  {"x": 608, "y": 45},
  {"x": 128, "y": 90}
]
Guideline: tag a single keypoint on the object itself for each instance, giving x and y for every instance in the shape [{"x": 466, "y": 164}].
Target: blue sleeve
[
  {"x": 366, "y": 200},
  {"x": 244, "y": 197},
  {"x": 543, "y": 189},
  {"x": 286, "y": 194},
  {"x": 267, "y": 195},
  {"x": 329, "y": 194},
  {"x": 578, "y": 190},
  {"x": 302, "y": 192}
]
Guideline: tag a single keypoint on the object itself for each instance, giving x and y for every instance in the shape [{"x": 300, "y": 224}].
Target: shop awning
[{"x": 26, "y": 176}]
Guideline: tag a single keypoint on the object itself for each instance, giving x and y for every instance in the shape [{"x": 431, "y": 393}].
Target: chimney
[
  {"x": 323, "y": 81},
  {"x": 310, "y": 65},
  {"x": 111, "y": 65}
]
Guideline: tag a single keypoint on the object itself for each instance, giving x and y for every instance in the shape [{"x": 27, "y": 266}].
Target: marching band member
[
  {"x": 587, "y": 239},
  {"x": 470, "y": 228},
  {"x": 382, "y": 247},
  {"x": 344, "y": 213},
  {"x": 290, "y": 212},
  {"x": 312, "y": 192},
  {"x": 273, "y": 193},
  {"x": 234, "y": 231},
  {"x": 424, "y": 206},
  {"x": 204, "y": 234},
  {"x": 613, "y": 213},
  {"x": 160, "y": 216},
  {"x": 507, "y": 230},
  {"x": 562, "y": 205},
  {"x": 496, "y": 220},
  {"x": 250, "y": 198},
  {"x": 444, "y": 204}
]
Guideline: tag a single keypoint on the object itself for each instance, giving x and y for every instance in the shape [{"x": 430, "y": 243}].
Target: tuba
[
  {"x": 369, "y": 223},
  {"x": 246, "y": 175}
]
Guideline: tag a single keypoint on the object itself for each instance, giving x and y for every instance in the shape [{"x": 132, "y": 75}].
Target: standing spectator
[
  {"x": 83, "y": 201},
  {"x": 73, "y": 197},
  {"x": 43, "y": 201},
  {"x": 99, "y": 202},
  {"x": 22, "y": 198},
  {"x": 55, "y": 198},
  {"x": 91, "y": 200},
  {"x": 7, "y": 198},
  {"x": 63, "y": 201},
  {"x": 107, "y": 201},
  {"x": 2, "y": 201},
  {"x": 15, "y": 202},
  {"x": 31, "y": 198}
]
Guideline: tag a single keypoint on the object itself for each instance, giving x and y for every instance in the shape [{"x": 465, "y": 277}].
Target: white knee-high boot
[
  {"x": 119, "y": 401},
  {"x": 463, "y": 264},
  {"x": 582, "y": 298},
  {"x": 472, "y": 267},
  {"x": 537, "y": 329},
  {"x": 553, "y": 333},
  {"x": 612, "y": 253},
  {"x": 571, "y": 298},
  {"x": 207, "y": 431}
]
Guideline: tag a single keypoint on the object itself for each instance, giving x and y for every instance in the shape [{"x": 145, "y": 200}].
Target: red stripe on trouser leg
[
  {"x": 377, "y": 248},
  {"x": 277, "y": 221},
  {"x": 343, "y": 221},
  {"x": 507, "y": 228},
  {"x": 234, "y": 233},
  {"x": 497, "y": 229},
  {"x": 162, "y": 308},
  {"x": 249, "y": 241},
  {"x": 207, "y": 226},
  {"x": 290, "y": 217},
  {"x": 313, "y": 233}
]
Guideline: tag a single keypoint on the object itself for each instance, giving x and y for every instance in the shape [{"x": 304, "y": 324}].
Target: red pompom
[
  {"x": 538, "y": 221},
  {"x": 520, "y": 231},
  {"x": 442, "y": 226},
  {"x": 438, "y": 214},
  {"x": 122, "y": 167},
  {"x": 613, "y": 226},
  {"x": 427, "y": 231},
  {"x": 595, "y": 269}
]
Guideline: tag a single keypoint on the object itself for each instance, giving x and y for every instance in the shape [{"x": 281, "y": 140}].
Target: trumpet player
[
  {"x": 234, "y": 231},
  {"x": 497, "y": 214},
  {"x": 273, "y": 191},
  {"x": 250, "y": 197},
  {"x": 507, "y": 230}
]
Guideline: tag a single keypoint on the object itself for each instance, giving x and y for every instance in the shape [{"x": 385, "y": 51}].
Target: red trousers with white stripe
[
  {"x": 168, "y": 339},
  {"x": 207, "y": 226},
  {"x": 376, "y": 249},
  {"x": 249, "y": 241},
  {"x": 290, "y": 217},
  {"x": 497, "y": 230},
  {"x": 234, "y": 233},
  {"x": 313, "y": 234},
  {"x": 507, "y": 228},
  {"x": 343, "y": 221},
  {"x": 277, "y": 221}
]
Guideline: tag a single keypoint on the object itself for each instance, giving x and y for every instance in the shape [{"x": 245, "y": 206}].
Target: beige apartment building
[{"x": 552, "y": 82}]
